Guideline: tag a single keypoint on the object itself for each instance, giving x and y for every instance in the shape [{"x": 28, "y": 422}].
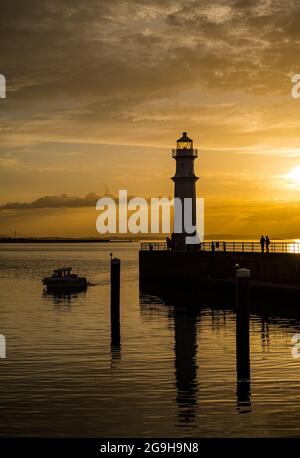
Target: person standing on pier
[
  {"x": 262, "y": 243},
  {"x": 268, "y": 241}
]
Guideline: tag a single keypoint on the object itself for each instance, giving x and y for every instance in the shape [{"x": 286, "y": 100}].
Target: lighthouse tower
[{"x": 185, "y": 188}]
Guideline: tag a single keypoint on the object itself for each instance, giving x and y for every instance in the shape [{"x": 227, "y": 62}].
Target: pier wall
[{"x": 175, "y": 269}]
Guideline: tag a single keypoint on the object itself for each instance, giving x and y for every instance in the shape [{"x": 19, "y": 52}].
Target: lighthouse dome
[{"x": 184, "y": 142}]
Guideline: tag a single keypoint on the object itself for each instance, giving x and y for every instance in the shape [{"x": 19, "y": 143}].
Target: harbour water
[{"x": 174, "y": 373}]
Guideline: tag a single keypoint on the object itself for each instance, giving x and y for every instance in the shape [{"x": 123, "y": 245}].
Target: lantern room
[
  {"x": 184, "y": 142},
  {"x": 184, "y": 147}
]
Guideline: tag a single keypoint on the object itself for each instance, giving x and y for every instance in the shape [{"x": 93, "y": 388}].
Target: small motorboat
[{"x": 62, "y": 279}]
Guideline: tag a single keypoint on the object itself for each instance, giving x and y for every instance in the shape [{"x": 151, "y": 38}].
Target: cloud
[
  {"x": 62, "y": 201},
  {"x": 96, "y": 74},
  {"x": 90, "y": 69},
  {"x": 105, "y": 62},
  {"x": 111, "y": 50}
]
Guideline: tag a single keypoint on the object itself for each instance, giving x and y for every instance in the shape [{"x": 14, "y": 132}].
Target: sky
[{"x": 99, "y": 91}]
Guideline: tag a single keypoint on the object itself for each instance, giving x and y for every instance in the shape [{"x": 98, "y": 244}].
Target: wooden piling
[
  {"x": 242, "y": 324},
  {"x": 242, "y": 340},
  {"x": 115, "y": 265}
]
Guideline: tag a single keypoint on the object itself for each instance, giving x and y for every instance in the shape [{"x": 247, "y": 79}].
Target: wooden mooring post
[
  {"x": 242, "y": 337},
  {"x": 242, "y": 323},
  {"x": 115, "y": 267}
]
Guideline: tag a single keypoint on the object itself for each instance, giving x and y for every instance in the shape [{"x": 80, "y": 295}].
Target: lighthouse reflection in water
[{"x": 190, "y": 392}]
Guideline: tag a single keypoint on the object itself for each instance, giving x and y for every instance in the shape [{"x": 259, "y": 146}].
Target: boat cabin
[{"x": 62, "y": 272}]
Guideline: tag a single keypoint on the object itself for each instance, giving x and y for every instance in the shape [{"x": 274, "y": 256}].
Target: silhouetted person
[
  {"x": 268, "y": 241},
  {"x": 212, "y": 246},
  {"x": 262, "y": 243},
  {"x": 169, "y": 243}
]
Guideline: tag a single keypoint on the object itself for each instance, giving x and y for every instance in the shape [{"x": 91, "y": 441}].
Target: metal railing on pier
[
  {"x": 153, "y": 246},
  {"x": 232, "y": 247}
]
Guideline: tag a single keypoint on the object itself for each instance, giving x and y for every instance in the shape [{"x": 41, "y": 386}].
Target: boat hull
[{"x": 63, "y": 284}]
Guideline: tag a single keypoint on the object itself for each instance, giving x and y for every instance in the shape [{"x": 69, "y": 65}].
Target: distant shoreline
[
  {"x": 61, "y": 240},
  {"x": 120, "y": 240}
]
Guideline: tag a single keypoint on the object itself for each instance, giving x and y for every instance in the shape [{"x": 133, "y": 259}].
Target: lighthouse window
[{"x": 184, "y": 144}]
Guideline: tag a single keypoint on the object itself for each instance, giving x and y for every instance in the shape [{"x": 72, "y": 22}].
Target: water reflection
[
  {"x": 115, "y": 342},
  {"x": 265, "y": 334},
  {"x": 243, "y": 394},
  {"x": 184, "y": 322},
  {"x": 62, "y": 297},
  {"x": 243, "y": 374},
  {"x": 242, "y": 337},
  {"x": 115, "y": 353},
  {"x": 185, "y": 349},
  {"x": 185, "y": 319}
]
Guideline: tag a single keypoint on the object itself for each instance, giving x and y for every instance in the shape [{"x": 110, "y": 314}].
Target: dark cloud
[
  {"x": 62, "y": 201},
  {"x": 99, "y": 51}
]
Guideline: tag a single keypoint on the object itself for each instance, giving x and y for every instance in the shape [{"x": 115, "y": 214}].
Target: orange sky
[{"x": 98, "y": 93}]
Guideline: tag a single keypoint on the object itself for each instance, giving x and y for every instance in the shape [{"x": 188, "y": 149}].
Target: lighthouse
[{"x": 184, "y": 192}]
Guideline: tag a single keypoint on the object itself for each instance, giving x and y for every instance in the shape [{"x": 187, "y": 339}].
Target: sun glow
[{"x": 293, "y": 176}]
